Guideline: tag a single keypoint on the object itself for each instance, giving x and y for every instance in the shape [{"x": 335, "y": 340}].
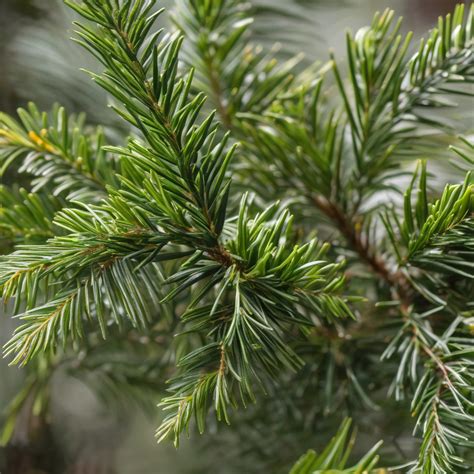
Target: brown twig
[{"x": 395, "y": 279}]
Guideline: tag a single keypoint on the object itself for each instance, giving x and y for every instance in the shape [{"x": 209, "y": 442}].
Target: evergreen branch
[
  {"x": 433, "y": 245},
  {"x": 293, "y": 134},
  {"x": 159, "y": 103},
  {"x": 306, "y": 139},
  {"x": 174, "y": 192},
  {"x": 57, "y": 152},
  {"x": 443, "y": 59},
  {"x": 256, "y": 302},
  {"x": 379, "y": 114},
  {"x": 428, "y": 221},
  {"x": 442, "y": 400},
  {"x": 112, "y": 292},
  {"x": 190, "y": 166},
  {"x": 194, "y": 392},
  {"x": 309, "y": 145},
  {"x": 381, "y": 107},
  {"x": 434, "y": 238},
  {"x": 237, "y": 76},
  {"x": 246, "y": 331},
  {"x": 113, "y": 286},
  {"x": 318, "y": 168},
  {"x": 88, "y": 271}
]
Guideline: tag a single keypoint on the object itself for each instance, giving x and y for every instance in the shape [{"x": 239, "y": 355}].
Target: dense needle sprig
[{"x": 153, "y": 236}]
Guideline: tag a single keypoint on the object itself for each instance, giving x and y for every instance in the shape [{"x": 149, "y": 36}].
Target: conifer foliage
[{"x": 202, "y": 224}]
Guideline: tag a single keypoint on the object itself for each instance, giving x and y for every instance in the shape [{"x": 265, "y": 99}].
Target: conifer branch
[
  {"x": 57, "y": 151},
  {"x": 295, "y": 146},
  {"x": 143, "y": 238},
  {"x": 214, "y": 33},
  {"x": 171, "y": 205},
  {"x": 237, "y": 76}
]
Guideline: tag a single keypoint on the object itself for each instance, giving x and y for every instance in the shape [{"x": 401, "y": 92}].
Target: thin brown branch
[{"x": 346, "y": 226}]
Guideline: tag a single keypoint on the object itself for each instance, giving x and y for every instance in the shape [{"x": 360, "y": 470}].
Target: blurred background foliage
[{"x": 40, "y": 63}]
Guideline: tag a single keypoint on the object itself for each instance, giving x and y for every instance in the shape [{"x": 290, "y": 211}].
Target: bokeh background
[{"x": 38, "y": 62}]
